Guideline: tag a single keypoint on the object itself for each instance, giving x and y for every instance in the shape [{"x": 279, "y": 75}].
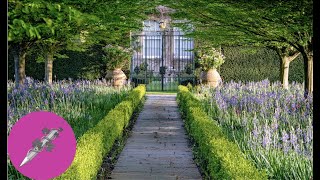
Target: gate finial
[{"x": 163, "y": 10}]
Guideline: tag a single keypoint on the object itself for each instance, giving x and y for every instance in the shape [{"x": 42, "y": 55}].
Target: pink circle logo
[{"x": 41, "y": 145}]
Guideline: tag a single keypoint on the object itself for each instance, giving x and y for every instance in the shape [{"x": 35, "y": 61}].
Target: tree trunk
[
  {"x": 310, "y": 74},
  {"x": 48, "y": 68},
  {"x": 283, "y": 53},
  {"x": 22, "y": 66},
  {"x": 308, "y": 71},
  {"x": 286, "y": 60},
  {"x": 285, "y": 72},
  {"x": 307, "y": 54},
  {"x": 16, "y": 65}
]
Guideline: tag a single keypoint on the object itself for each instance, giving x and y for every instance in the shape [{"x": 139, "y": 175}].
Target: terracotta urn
[
  {"x": 211, "y": 78},
  {"x": 119, "y": 78}
]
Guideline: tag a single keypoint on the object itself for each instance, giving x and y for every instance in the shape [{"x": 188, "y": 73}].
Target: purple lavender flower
[
  {"x": 52, "y": 94},
  {"x": 266, "y": 138},
  {"x": 277, "y": 113},
  {"x": 285, "y": 141},
  {"x": 274, "y": 125},
  {"x": 233, "y": 101},
  {"x": 299, "y": 133},
  {"x": 308, "y": 136},
  {"x": 293, "y": 139},
  {"x": 285, "y": 137},
  {"x": 285, "y": 109},
  {"x": 65, "y": 91}
]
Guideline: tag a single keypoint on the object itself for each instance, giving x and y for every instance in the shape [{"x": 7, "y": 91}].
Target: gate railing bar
[
  {"x": 193, "y": 61},
  {"x": 132, "y": 57},
  {"x": 144, "y": 54},
  {"x": 179, "y": 61},
  {"x": 162, "y": 49}
]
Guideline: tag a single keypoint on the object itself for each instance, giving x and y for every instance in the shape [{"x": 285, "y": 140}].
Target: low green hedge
[
  {"x": 222, "y": 158},
  {"x": 98, "y": 141}
]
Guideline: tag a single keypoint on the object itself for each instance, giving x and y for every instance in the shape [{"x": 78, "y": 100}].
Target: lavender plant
[
  {"x": 82, "y": 103},
  {"x": 272, "y": 126}
]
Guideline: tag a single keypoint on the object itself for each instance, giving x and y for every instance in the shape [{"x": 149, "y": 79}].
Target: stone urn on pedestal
[
  {"x": 210, "y": 59},
  {"x": 118, "y": 77},
  {"x": 211, "y": 77},
  {"x": 116, "y": 58}
]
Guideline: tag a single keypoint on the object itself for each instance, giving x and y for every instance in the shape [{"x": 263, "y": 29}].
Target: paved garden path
[{"x": 158, "y": 146}]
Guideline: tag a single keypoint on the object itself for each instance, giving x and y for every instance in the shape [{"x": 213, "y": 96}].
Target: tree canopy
[
  {"x": 279, "y": 24},
  {"x": 64, "y": 23},
  {"x": 254, "y": 22}
]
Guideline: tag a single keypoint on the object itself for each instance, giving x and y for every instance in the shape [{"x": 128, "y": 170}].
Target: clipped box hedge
[
  {"x": 98, "y": 141},
  {"x": 223, "y": 159}
]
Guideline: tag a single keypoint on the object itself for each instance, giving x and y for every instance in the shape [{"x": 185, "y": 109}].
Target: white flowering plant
[
  {"x": 116, "y": 56},
  {"x": 210, "y": 58}
]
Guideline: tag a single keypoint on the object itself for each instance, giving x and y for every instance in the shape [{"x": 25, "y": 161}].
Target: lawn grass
[
  {"x": 167, "y": 86},
  {"x": 162, "y": 92}
]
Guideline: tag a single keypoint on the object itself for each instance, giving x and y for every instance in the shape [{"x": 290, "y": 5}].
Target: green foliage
[
  {"x": 256, "y": 64},
  {"x": 144, "y": 66},
  {"x": 98, "y": 141},
  {"x": 296, "y": 72},
  {"x": 189, "y": 86},
  {"x": 229, "y": 22},
  {"x": 188, "y": 68},
  {"x": 137, "y": 70},
  {"x": 115, "y": 19},
  {"x": 52, "y": 26},
  {"x": 42, "y": 20},
  {"x": 221, "y": 158}
]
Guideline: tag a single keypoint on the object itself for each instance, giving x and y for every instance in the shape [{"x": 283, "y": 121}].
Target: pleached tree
[{"x": 278, "y": 24}]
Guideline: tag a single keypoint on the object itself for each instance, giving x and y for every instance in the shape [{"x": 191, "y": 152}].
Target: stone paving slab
[
  {"x": 158, "y": 147},
  {"x": 140, "y": 176}
]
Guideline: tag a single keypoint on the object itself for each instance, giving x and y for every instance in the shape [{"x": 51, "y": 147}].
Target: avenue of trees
[
  {"x": 48, "y": 27},
  {"x": 285, "y": 26}
]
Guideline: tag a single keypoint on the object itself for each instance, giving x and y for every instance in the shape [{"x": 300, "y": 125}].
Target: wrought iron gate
[{"x": 162, "y": 60}]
